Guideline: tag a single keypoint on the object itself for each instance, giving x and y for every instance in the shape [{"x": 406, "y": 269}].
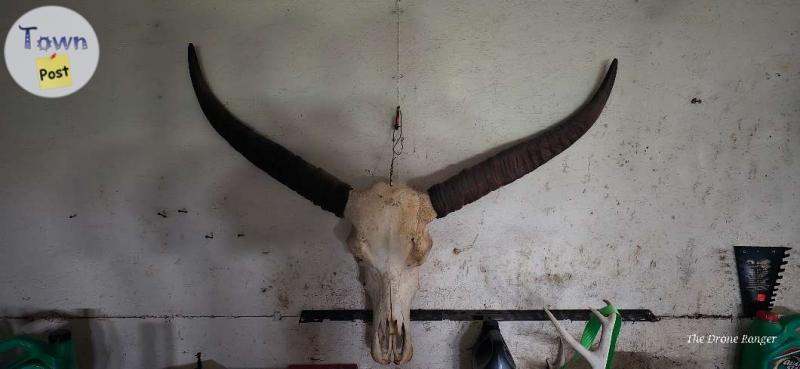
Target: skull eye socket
[
  {"x": 362, "y": 244},
  {"x": 419, "y": 251},
  {"x": 358, "y": 246}
]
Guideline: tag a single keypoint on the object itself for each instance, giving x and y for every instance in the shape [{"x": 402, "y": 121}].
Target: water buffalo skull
[{"x": 389, "y": 237}]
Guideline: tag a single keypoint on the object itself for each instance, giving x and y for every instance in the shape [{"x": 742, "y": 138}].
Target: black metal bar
[{"x": 628, "y": 315}]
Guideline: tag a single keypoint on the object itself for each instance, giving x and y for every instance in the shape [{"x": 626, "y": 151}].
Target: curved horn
[
  {"x": 311, "y": 182},
  {"x": 518, "y": 160}
]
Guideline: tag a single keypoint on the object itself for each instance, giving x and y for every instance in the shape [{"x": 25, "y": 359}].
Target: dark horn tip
[{"x": 193, "y": 64}]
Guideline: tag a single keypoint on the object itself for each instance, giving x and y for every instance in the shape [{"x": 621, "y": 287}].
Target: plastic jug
[
  {"x": 36, "y": 354},
  {"x": 772, "y": 342}
]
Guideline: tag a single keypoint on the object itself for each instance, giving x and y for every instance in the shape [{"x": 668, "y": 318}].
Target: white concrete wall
[{"x": 644, "y": 210}]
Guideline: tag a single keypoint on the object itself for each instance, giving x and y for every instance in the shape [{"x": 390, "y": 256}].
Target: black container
[{"x": 759, "y": 271}]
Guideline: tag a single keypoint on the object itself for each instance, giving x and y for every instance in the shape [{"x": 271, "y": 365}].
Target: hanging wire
[
  {"x": 397, "y": 127},
  {"x": 397, "y": 141}
]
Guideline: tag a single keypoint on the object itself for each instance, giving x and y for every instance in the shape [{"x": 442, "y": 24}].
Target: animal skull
[{"x": 389, "y": 239}]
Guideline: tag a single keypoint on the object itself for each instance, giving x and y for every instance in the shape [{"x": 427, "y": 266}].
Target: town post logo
[{"x": 51, "y": 51}]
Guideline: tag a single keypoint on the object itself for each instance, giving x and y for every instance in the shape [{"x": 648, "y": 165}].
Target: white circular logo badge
[{"x": 51, "y": 51}]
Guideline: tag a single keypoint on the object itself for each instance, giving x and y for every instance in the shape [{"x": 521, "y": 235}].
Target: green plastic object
[
  {"x": 57, "y": 353},
  {"x": 772, "y": 342},
  {"x": 591, "y": 330}
]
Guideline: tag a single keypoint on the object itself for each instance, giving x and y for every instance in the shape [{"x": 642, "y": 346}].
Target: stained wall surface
[{"x": 120, "y": 204}]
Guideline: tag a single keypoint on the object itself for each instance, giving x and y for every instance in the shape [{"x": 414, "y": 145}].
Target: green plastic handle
[
  {"x": 35, "y": 353},
  {"x": 591, "y": 330},
  {"x": 40, "y": 355},
  {"x": 790, "y": 322}
]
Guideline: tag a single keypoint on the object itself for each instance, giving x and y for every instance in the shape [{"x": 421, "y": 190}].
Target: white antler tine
[
  {"x": 561, "y": 358},
  {"x": 571, "y": 340},
  {"x": 604, "y": 347},
  {"x": 612, "y": 318},
  {"x": 608, "y": 324},
  {"x": 597, "y": 314}
]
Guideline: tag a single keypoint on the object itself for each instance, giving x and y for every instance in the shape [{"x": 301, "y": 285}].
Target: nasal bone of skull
[{"x": 391, "y": 340}]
